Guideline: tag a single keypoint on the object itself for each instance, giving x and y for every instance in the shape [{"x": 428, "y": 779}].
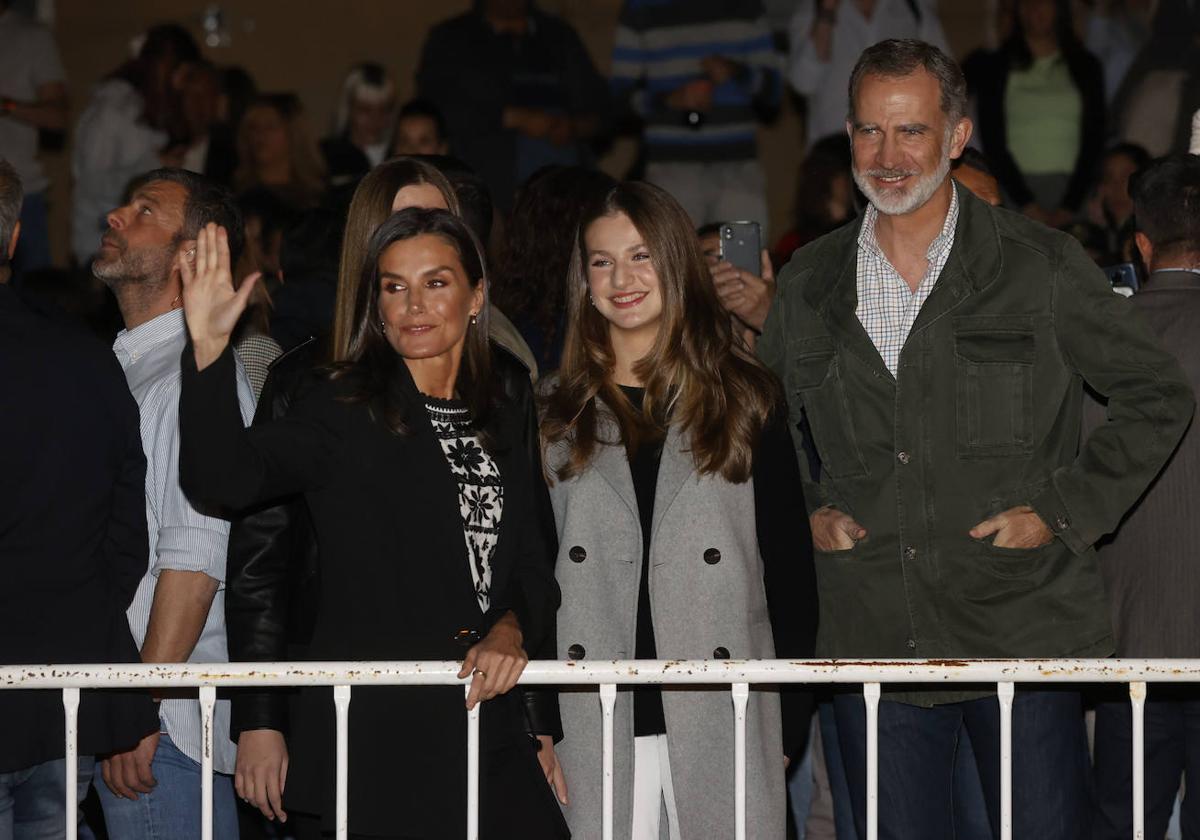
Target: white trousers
[{"x": 652, "y": 789}]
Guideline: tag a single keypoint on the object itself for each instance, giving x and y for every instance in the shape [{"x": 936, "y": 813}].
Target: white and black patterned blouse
[{"x": 480, "y": 491}]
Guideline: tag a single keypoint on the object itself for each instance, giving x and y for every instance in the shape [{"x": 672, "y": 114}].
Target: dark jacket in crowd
[
  {"x": 472, "y": 73},
  {"x": 394, "y": 585},
  {"x": 983, "y": 416},
  {"x": 987, "y": 79},
  {"x": 272, "y": 580},
  {"x": 73, "y": 541},
  {"x": 1149, "y": 564}
]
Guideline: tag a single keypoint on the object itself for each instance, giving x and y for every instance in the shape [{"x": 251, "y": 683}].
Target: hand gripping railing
[{"x": 608, "y": 675}]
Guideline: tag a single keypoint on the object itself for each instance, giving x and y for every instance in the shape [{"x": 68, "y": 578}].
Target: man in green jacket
[{"x": 935, "y": 353}]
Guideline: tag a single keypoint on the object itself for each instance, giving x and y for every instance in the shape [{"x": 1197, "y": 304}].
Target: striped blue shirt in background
[
  {"x": 659, "y": 46},
  {"x": 181, "y": 538}
]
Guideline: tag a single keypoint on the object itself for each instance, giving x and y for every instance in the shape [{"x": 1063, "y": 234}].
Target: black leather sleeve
[
  {"x": 271, "y": 572},
  {"x": 541, "y": 702}
]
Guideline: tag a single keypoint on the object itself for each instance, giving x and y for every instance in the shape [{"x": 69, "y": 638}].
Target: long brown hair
[
  {"x": 695, "y": 375},
  {"x": 370, "y": 208},
  {"x": 371, "y": 361}
]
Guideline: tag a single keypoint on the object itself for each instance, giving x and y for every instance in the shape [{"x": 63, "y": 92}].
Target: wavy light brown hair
[
  {"x": 696, "y": 375},
  {"x": 370, "y": 208}
]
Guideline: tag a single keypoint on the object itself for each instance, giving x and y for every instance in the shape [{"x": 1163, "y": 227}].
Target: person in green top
[
  {"x": 1040, "y": 104},
  {"x": 934, "y": 354}
]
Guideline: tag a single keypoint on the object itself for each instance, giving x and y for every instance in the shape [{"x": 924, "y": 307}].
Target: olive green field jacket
[{"x": 983, "y": 415}]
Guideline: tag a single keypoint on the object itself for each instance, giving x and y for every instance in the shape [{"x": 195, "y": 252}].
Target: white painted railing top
[{"x": 739, "y": 675}]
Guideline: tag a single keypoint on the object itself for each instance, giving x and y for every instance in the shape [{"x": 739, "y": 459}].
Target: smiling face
[
  {"x": 426, "y": 299},
  {"x": 143, "y": 236},
  {"x": 901, "y": 142},
  {"x": 621, "y": 277}
]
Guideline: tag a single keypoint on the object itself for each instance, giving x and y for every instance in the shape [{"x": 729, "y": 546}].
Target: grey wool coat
[{"x": 698, "y": 607}]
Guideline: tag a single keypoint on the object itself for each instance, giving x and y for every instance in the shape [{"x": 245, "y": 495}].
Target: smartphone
[
  {"x": 741, "y": 246},
  {"x": 1122, "y": 277}
]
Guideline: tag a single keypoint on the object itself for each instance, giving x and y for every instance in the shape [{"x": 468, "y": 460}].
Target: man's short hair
[
  {"x": 207, "y": 201},
  {"x": 1166, "y": 203},
  {"x": 899, "y": 57},
  {"x": 425, "y": 108},
  {"x": 11, "y": 196},
  {"x": 975, "y": 159}
]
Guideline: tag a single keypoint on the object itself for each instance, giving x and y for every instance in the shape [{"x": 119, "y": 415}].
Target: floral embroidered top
[{"x": 480, "y": 489}]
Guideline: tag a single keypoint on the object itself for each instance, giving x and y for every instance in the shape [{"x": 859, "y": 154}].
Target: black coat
[
  {"x": 73, "y": 542},
  {"x": 272, "y": 579},
  {"x": 394, "y": 582},
  {"x": 987, "y": 78}
]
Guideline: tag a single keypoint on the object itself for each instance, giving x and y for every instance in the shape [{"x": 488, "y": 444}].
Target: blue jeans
[
  {"x": 918, "y": 751},
  {"x": 1172, "y": 751},
  {"x": 32, "y": 800},
  {"x": 33, "y": 248},
  {"x": 172, "y": 810}
]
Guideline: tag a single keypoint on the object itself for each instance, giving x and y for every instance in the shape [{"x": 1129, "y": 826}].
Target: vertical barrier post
[
  {"x": 1137, "y": 699},
  {"x": 741, "y": 695},
  {"x": 871, "y": 693},
  {"x": 208, "y": 699},
  {"x": 70, "y": 699},
  {"x": 341, "y": 706},
  {"x": 608, "y": 699},
  {"x": 1004, "y": 693},
  {"x": 472, "y": 770}
]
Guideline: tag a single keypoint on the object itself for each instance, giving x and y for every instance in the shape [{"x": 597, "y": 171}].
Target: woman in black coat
[
  {"x": 417, "y": 472},
  {"x": 1042, "y": 61}
]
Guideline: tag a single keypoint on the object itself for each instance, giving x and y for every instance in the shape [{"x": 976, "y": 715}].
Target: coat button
[
  {"x": 721, "y": 653},
  {"x": 712, "y": 557},
  {"x": 576, "y": 652},
  {"x": 577, "y": 554},
  {"x": 1061, "y": 524},
  {"x": 910, "y": 553},
  {"x": 466, "y": 638},
  {"x": 911, "y": 644},
  {"x": 903, "y": 458}
]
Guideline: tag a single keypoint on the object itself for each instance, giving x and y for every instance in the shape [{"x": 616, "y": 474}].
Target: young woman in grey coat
[{"x": 677, "y": 499}]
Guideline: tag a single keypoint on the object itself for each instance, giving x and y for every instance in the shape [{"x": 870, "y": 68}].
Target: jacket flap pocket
[
  {"x": 811, "y": 358},
  {"x": 995, "y": 339}
]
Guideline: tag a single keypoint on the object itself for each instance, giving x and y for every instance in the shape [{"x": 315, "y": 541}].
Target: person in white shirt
[
  {"x": 152, "y": 792},
  {"x": 828, "y": 36}
]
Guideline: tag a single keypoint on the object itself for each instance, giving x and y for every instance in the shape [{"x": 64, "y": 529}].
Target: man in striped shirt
[
  {"x": 152, "y": 792},
  {"x": 699, "y": 73}
]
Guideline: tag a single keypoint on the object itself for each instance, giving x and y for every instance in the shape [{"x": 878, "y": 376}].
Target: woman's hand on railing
[
  {"x": 261, "y": 771},
  {"x": 211, "y": 305},
  {"x": 496, "y": 662},
  {"x": 551, "y": 768}
]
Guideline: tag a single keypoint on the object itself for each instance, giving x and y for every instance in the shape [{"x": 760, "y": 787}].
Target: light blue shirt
[{"x": 181, "y": 537}]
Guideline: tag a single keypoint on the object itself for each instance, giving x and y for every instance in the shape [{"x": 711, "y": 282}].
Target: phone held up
[
  {"x": 1123, "y": 278},
  {"x": 741, "y": 246}
]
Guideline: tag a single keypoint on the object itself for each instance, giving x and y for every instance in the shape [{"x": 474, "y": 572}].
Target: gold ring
[{"x": 481, "y": 674}]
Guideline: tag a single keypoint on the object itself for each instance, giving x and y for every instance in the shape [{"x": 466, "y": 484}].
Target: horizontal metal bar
[{"x": 622, "y": 672}]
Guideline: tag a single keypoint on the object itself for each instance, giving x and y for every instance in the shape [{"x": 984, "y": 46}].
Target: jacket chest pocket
[
  {"x": 993, "y": 373},
  {"x": 816, "y": 377}
]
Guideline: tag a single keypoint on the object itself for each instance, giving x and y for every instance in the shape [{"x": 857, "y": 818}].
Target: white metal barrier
[{"x": 342, "y": 676}]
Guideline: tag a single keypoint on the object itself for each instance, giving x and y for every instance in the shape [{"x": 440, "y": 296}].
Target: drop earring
[{"x": 474, "y": 317}]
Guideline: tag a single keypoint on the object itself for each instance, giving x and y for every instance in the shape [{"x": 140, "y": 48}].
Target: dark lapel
[
  {"x": 975, "y": 260},
  {"x": 430, "y": 469},
  {"x": 832, "y": 291}
]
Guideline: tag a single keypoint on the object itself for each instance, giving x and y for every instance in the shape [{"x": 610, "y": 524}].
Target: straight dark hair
[
  {"x": 1017, "y": 46},
  {"x": 370, "y": 363},
  {"x": 1166, "y": 205}
]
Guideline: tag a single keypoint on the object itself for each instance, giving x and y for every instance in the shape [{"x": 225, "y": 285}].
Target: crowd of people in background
[{"x": 439, "y": 330}]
